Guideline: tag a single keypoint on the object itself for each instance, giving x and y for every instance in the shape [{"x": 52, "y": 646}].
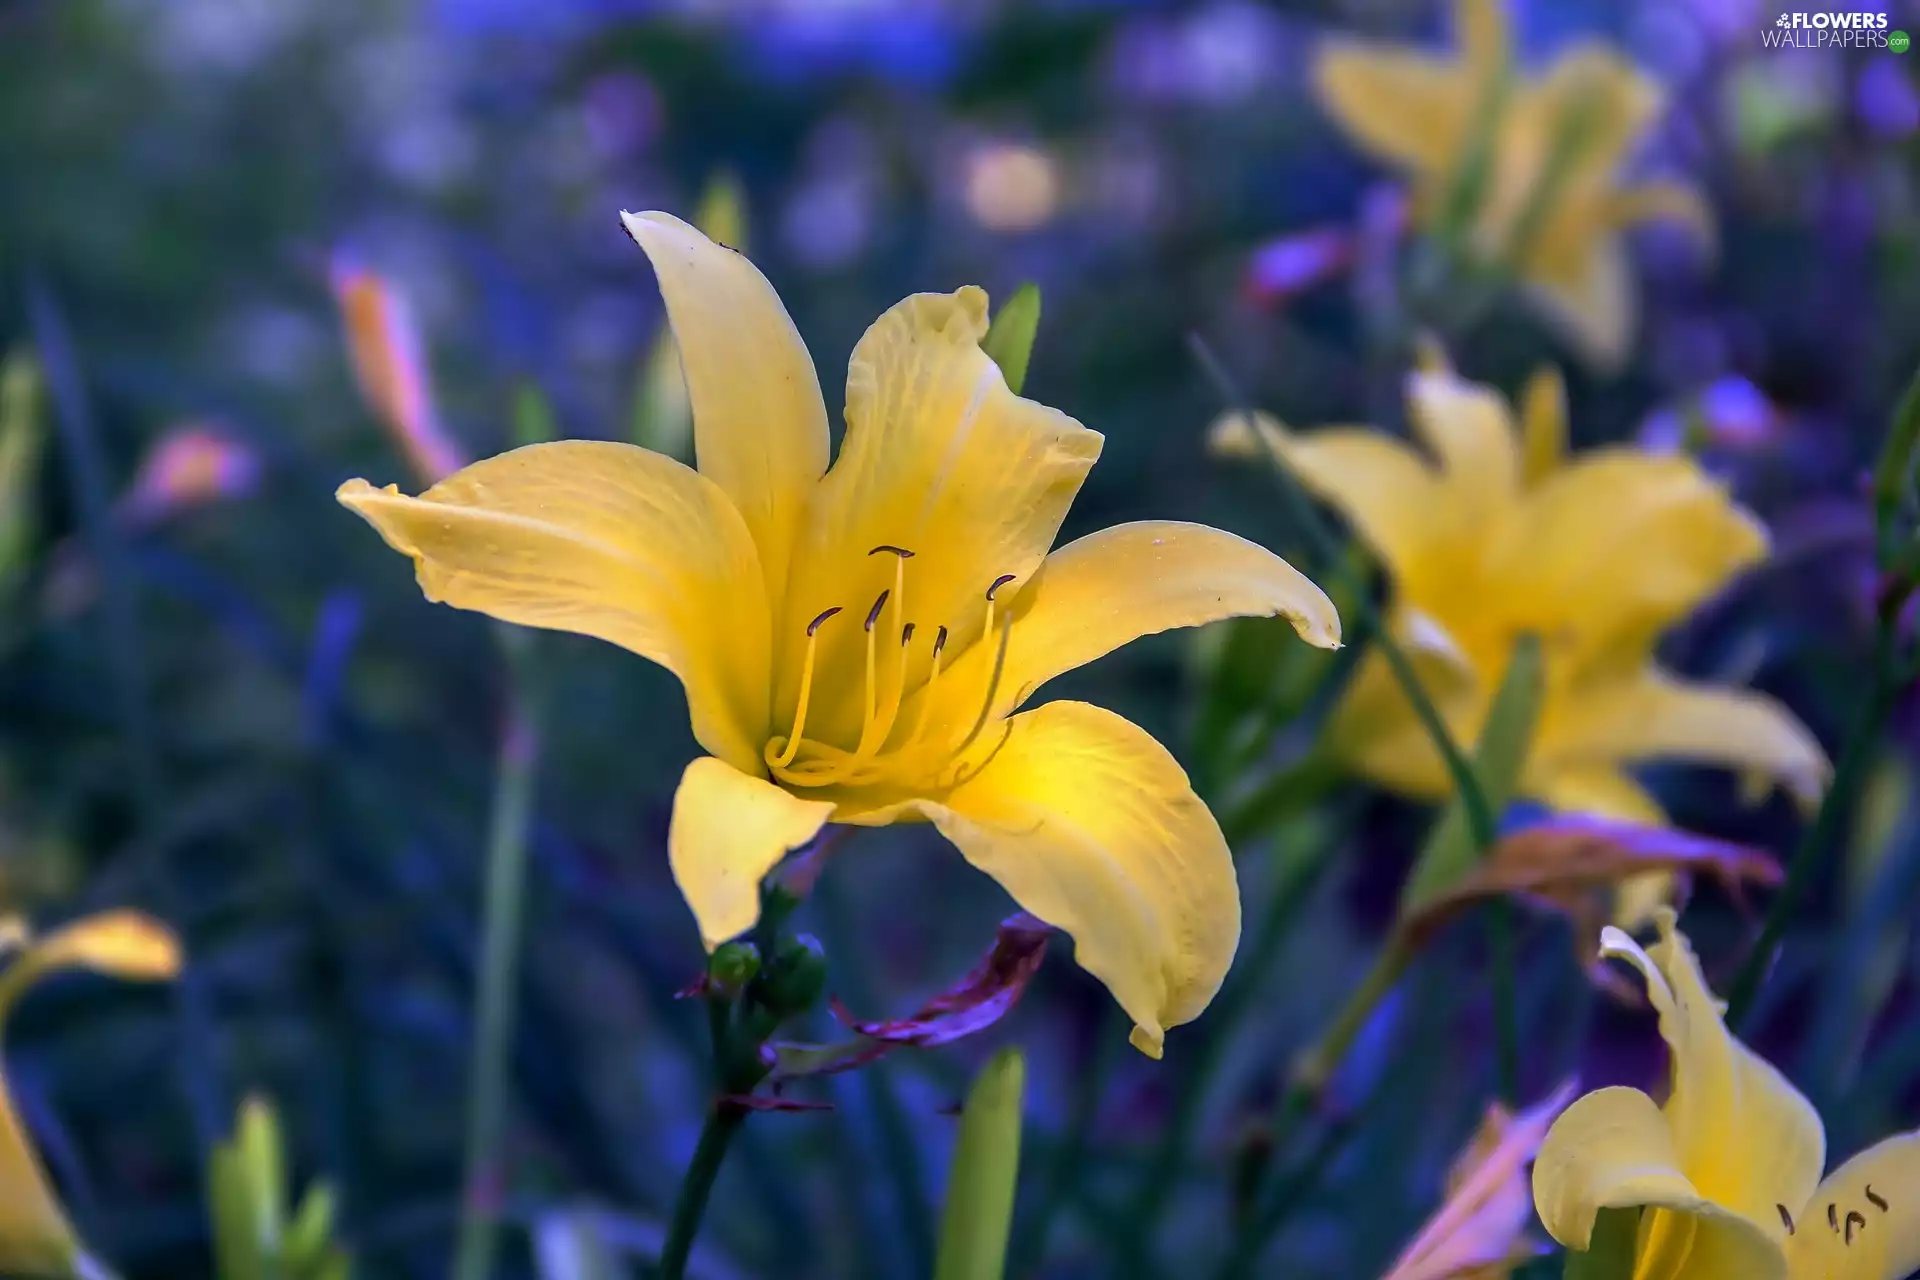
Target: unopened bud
[
  {"x": 793, "y": 982},
  {"x": 732, "y": 966}
]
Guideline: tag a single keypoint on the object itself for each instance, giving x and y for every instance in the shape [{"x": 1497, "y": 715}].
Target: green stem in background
[
  {"x": 1501, "y": 944},
  {"x": 1326, "y": 546},
  {"x": 507, "y": 839},
  {"x": 1063, "y": 1171},
  {"x": 1849, "y": 776},
  {"x": 723, "y": 1121}
]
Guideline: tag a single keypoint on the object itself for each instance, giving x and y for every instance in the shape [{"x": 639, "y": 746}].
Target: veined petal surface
[
  {"x": 729, "y": 829},
  {"x": 759, "y": 423},
  {"x": 606, "y": 540},
  {"x": 1093, "y": 827}
]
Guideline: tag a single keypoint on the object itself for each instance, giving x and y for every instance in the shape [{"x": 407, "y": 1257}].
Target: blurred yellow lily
[
  {"x": 854, "y": 642},
  {"x": 1729, "y": 1169},
  {"x": 35, "y": 1238},
  {"x": 1547, "y": 150},
  {"x": 1498, "y": 534}
]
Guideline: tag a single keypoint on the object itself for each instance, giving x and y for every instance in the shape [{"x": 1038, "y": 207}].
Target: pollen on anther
[
  {"x": 824, "y": 615},
  {"x": 1877, "y": 1202},
  {"x": 902, "y": 552},
  {"x": 873, "y": 614},
  {"x": 1853, "y": 1216},
  {"x": 1000, "y": 582},
  {"x": 1833, "y": 1218},
  {"x": 906, "y": 635},
  {"x": 1785, "y": 1217},
  {"x": 939, "y": 641}
]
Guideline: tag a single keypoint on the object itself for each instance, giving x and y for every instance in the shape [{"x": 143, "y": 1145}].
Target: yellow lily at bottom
[
  {"x": 855, "y": 642},
  {"x": 35, "y": 1238},
  {"x": 1728, "y": 1171}
]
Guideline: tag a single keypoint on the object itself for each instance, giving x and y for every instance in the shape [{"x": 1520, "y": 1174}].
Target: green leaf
[
  {"x": 263, "y": 1164},
  {"x": 307, "y": 1237},
  {"x": 236, "y": 1245},
  {"x": 1009, "y": 339},
  {"x": 1609, "y": 1254},
  {"x": 22, "y": 440},
  {"x": 986, "y": 1166},
  {"x": 532, "y": 416},
  {"x": 1498, "y": 759}
]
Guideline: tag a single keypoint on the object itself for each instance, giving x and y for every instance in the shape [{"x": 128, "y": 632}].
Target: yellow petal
[
  {"x": 941, "y": 459},
  {"x": 1615, "y": 102},
  {"x": 1543, "y": 424},
  {"x": 759, "y": 424},
  {"x": 1680, "y": 202},
  {"x": 35, "y": 1238},
  {"x": 1481, "y": 28},
  {"x": 1618, "y": 545},
  {"x": 1092, "y": 827},
  {"x": 1613, "y": 1149},
  {"x": 728, "y": 831},
  {"x": 1407, "y": 108},
  {"x": 1875, "y": 1199},
  {"x": 1101, "y": 591},
  {"x": 606, "y": 540},
  {"x": 1652, "y": 715},
  {"x": 1471, "y": 431},
  {"x": 1743, "y": 1136},
  {"x": 1389, "y": 493},
  {"x": 125, "y": 944},
  {"x": 1592, "y": 299}
]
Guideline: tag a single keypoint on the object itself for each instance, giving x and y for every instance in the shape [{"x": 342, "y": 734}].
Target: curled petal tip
[
  {"x": 358, "y": 490},
  {"x": 1149, "y": 1040}
]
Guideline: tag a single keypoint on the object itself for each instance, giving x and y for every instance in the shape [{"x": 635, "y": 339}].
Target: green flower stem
[
  {"x": 723, "y": 1121},
  {"x": 1502, "y": 945},
  {"x": 1067, "y": 1158},
  {"x": 507, "y": 833},
  {"x": 1849, "y": 777},
  {"x": 1312, "y": 1072}
]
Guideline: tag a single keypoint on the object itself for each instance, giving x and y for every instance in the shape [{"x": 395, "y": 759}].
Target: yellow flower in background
[
  {"x": 854, "y": 642},
  {"x": 1494, "y": 533},
  {"x": 35, "y": 1238},
  {"x": 1548, "y": 149},
  {"x": 1729, "y": 1169}
]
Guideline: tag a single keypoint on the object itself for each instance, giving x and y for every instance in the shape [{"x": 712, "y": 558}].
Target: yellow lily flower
[
  {"x": 1553, "y": 205},
  {"x": 1729, "y": 1169},
  {"x": 35, "y": 1238},
  {"x": 854, "y": 642},
  {"x": 1500, "y": 534}
]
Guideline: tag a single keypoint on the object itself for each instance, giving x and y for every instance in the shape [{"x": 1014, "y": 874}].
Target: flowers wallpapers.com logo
[{"x": 1850, "y": 30}]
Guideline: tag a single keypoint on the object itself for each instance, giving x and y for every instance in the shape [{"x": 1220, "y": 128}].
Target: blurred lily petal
[
  {"x": 189, "y": 466},
  {"x": 390, "y": 362}
]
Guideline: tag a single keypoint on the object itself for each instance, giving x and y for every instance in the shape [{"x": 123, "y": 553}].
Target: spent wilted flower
[
  {"x": 390, "y": 363},
  {"x": 1479, "y": 1232},
  {"x": 854, "y": 642},
  {"x": 1728, "y": 1170},
  {"x": 1495, "y": 533},
  {"x": 1540, "y": 156},
  {"x": 35, "y": 1237}
]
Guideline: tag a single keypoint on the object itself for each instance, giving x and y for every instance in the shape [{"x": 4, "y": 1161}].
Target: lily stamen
[
  {"x": 926, "y": 691},
  {"x": 986, "y": 632},
  {"x": 873, "y": 616},
  {"x": 792, "y": 748}
]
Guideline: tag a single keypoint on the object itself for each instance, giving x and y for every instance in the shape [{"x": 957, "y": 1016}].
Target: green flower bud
[
  {"x": 793, "y": 982},
  {"x": 732, "y": 966}
]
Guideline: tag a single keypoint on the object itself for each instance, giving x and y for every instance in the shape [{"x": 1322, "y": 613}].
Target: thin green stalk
[
  {"x": 1163, "y": 1168},
  {"x": 1506, "y": 1001},
  {"x": 507, "y": 842},
  {"x": 1327, "y": 547},
  {"x": 1849, "y": 776},
  {"x": 1063, "y": 1171},
  {"x": 723, "y": 1121}
]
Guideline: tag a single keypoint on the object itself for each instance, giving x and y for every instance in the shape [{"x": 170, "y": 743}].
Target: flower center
[{"x": 800, "y": 761}]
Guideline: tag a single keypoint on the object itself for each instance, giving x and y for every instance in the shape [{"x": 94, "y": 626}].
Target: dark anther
[
  {"x": 873, "y": 614},
  {"x": 1833, "y": 1219},
  {"x": 939, "y": 641},
  {"x": 1785, "y": 1217},
  {"x": 1875, "y": 1200},
  {"x": 1853, "y": 1216},
  {"x": 824, "y": 615},
  {"x": 902, "y": 552},
  {"x": 906, "y": 635},
  {"x": 1000, "y": 582}
]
